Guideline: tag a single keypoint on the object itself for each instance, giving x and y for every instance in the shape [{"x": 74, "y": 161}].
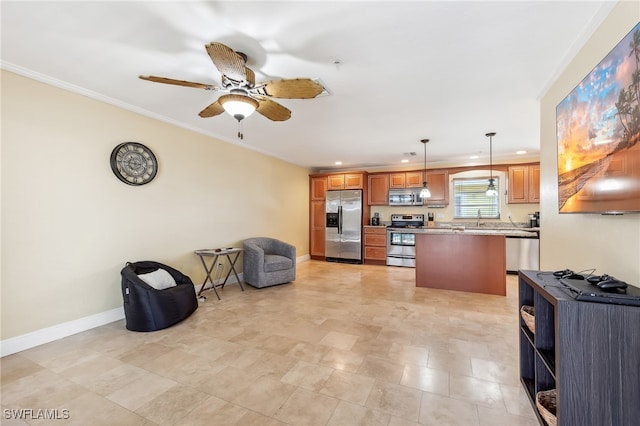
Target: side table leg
[
  {"x": 208, "y": 277},
  {"x": 234, "y": 270}
]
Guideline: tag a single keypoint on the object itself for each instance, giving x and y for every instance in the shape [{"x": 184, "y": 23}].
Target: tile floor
[{"x": 343, "y": 345}]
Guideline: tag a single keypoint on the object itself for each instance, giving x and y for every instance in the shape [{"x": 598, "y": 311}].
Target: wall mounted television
[{"x": 598, "y": 132}]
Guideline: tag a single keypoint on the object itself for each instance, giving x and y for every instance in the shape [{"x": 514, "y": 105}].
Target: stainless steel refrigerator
[{"x": 343, "y": 235}]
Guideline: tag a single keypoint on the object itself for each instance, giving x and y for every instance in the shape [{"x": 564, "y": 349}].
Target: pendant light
[
  {"x": 491, "y": 189},
  {"x": 424, "y": 192}
]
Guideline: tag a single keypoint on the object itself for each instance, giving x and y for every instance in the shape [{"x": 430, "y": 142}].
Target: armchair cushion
[{"x": 275, "y": 262}]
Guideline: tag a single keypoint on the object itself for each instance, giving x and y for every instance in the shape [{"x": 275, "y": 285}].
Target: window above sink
[{"x": 470, "y": 199}]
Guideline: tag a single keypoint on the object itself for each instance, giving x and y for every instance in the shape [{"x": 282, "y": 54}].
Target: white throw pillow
[{"x": 159, "y": 279}]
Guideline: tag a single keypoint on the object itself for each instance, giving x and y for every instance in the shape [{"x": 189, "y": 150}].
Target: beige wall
[
  {"x": 582, "y": 241},
  {"x": 69, "y": 226}
]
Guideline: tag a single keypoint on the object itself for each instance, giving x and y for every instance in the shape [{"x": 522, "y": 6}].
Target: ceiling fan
[{"x": 243, "y": 96}]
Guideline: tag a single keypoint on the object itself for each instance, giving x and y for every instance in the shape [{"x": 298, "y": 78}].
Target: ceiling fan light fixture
[{"x": 238, "y": 106}]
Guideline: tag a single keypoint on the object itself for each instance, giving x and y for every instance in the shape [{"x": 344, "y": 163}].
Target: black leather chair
[{"x": 147, "y": 308}]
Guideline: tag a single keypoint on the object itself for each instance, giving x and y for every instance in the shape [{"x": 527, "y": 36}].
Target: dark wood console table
[{"x": 588, "y": 352}]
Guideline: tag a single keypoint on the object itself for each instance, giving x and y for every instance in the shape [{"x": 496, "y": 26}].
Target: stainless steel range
[{"x": 401, "y": 239}]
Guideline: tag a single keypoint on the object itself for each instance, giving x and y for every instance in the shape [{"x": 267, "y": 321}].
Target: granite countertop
[{"x": 507, "y": 232}]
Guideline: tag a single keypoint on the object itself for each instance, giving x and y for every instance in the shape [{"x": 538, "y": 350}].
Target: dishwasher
[{"x": 522, "y": 253}]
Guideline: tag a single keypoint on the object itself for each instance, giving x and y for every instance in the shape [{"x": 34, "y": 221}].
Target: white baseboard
[{"x": 49, "y": 334}]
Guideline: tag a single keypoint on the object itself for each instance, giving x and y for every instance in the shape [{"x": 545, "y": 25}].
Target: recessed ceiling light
[
  {"x": 522, "y": 151},
  {"x": 404, "y": 160},
  {"x": 338, "y": 163},
  {"x": 473, "y": 157}
]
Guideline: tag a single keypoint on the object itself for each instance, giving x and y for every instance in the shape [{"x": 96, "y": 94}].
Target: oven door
[
  {"x": 401, "y": 239},
  {"x": 401, "y": 249}
]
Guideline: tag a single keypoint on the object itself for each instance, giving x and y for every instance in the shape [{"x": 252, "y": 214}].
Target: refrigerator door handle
[{"x": 339, "y": 219}]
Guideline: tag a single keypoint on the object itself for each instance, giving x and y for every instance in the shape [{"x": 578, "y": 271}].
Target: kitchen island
[{"x": 472, "y": 260}]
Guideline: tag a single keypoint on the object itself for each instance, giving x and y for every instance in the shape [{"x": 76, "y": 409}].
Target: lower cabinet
[
  {"x": 375, "y": 245},
  {"x": 587, "y": 354}
]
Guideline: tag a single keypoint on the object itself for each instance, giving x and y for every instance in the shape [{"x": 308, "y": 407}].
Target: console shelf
[{"x": 588, "y": 352}]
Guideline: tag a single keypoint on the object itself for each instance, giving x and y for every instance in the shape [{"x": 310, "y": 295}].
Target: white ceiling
[{"x": 449, "y": 71}]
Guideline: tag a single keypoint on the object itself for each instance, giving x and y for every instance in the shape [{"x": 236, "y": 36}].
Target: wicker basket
[
  {"x": 529, "y": 316},
  {"x": 546, "y": 403}
]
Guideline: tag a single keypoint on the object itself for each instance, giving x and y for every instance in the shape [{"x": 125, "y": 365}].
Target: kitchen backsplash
[{"x": 519, "y": 214}]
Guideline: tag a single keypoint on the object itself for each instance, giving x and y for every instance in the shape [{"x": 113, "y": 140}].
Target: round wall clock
[{"x": 133, "y": 163}]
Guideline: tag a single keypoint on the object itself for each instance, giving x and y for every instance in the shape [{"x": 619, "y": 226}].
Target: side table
[{"x": 231, "y": 254}]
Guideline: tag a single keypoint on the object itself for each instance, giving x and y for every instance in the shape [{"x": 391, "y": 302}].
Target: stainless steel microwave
[{"x": 404, "y": 197}]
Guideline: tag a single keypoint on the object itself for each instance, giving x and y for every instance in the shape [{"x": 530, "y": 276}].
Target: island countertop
[{"x": 507, "y": 232}]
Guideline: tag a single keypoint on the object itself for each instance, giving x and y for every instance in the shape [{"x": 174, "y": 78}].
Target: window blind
[{"x": 469, "y": 197}]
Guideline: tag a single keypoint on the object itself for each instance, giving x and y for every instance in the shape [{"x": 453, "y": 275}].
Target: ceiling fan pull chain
[{"x": 240, "y": 134}]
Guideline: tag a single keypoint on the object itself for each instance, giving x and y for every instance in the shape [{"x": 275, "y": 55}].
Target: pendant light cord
[
  {"x": 424, "y": 181},
  {"x": 490, "y": 135}
]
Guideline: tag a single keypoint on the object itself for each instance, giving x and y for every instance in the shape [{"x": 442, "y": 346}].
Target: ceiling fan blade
[
  {"x": 212, "y": 110},
  {"x": 298, "y": 88},
  {"x": 178, "y": 82},
  {"x": 228, "y": 62},
  {"x": 273, "y": 110},
  {"x": 251, "y": 76}
]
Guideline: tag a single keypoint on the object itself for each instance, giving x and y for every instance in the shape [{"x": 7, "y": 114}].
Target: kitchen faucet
[{"x": 479, "y": 217}]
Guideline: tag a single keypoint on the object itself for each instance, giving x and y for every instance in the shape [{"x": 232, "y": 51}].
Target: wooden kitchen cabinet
[
  {"x": 438, "y": 181},
  {"x": 346, "y": 181},
  {"x": 378, "y": 187},
  {"x": 317, "y": 229},
  {"x": 336, "y": 181},
  {"x": 317, "y": 194},
  {"x": 375, "y": 245},
  {"x": 413, "y": 179},
  {"x": 402, "y": 180},
  {"x": 396, "y": 180},
  {"x": 524, "y": 184},
  {"x": 318, "y": 188},
  {"x": 534, "y": 183}
]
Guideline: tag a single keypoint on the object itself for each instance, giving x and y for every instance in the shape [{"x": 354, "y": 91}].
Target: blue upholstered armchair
[{"x": 267, "y": 262}]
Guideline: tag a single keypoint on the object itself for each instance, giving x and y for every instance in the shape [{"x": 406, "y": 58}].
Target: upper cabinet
[
  {"x": 379, "y": 185},
  {"x": 401, "y": 180},
  {"x": 438, "y": 181},
  {"x": 346, "y": 181},
  {"x": 534, "y": 183},
  {"x": 318, "y": 188},
  {"x": 524, "y": 184},
  {"x": 378, "y": 189}
]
